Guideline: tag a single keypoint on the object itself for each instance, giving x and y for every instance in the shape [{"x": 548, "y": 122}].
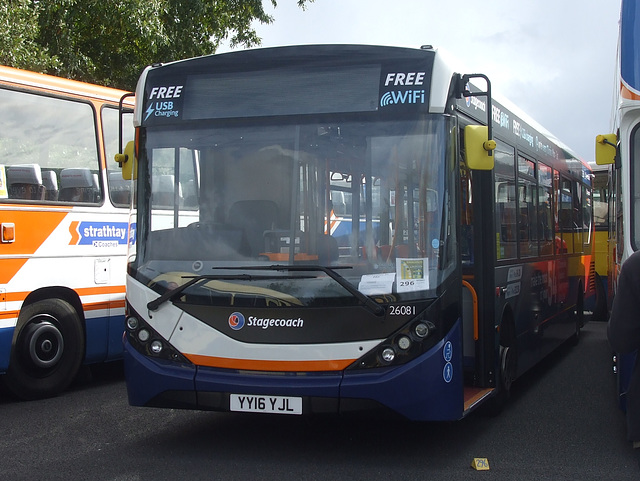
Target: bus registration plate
[{"x": 265, "y": 404}]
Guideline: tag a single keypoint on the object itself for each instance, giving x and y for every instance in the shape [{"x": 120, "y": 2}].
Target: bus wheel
[
  {"x": 508, "y": 369},
  {"x": 47, "y": 350}
]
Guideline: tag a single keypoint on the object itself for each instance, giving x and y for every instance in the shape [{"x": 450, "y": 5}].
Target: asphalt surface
[{"x": 562, "y": 423}]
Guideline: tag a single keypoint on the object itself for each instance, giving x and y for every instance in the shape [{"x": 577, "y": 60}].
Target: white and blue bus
[
  {"x": 469, "y": 261},
  {"x": 620, "y": 151}
]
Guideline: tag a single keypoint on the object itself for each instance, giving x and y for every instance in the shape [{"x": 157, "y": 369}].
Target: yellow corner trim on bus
[{"x": 266, "y": 365}]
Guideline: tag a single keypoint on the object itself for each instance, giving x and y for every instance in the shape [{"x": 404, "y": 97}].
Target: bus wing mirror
[
  {"x": 478, "y": 147},
  {"x": 128, "y": 162},
  {"x": 606, "y": 149}
]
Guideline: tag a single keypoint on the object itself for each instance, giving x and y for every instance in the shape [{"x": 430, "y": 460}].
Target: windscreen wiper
[
  {"x": 369, "y": 303},
  {"x": 173, "y": 293}
]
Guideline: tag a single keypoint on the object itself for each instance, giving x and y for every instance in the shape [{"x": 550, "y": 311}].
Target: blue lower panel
[
  {"x": 148, "y": 379},
  {"x": 96, "y": 340},
  {"x": 6, "y": 336},
  {"x": 104, "y": 339},
  {"x": 427, "y": 389}
]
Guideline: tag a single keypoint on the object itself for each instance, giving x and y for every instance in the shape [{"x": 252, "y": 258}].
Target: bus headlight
[
  {"x": 143, "y": 335},
  {"x": 423, "y": 329},
  {"x": 388, "y": 354},
  {"x": 144, "y": 339},
  {"x": 404, "y": 343},
  {"x": 156, "y": 347},
  {"x": 132, "y": 323},
  {"x": 413, "y": 339}
]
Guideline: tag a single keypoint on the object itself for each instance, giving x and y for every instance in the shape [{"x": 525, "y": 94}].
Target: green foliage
[
  {"x": 18, "y": 43},
  {"x": 109, "y": 42}
]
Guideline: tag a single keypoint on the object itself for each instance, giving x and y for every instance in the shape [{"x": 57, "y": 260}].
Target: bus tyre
[{"x": 47, "y": 350}]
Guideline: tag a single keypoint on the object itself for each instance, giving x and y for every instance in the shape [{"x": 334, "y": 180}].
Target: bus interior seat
[
  {"x": 327, "y": 249},
  {"x": 25, "y": 182},
  {"x": 254, "y": 217},
  {"x": 77, "y": 184},
  {"x": 50, "y": 181}
]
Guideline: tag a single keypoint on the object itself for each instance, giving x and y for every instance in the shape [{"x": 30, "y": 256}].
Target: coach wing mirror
[
  {"x": 606, "y": 149},
  {"x": 128, "y": 162},
  {"x": 478, "y": 147}
]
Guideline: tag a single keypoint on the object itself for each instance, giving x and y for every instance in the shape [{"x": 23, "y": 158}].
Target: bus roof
[{"x": 10, "y": 75}]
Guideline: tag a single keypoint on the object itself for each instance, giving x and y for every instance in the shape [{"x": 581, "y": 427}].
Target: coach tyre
[{"x": 47, "y": 349}]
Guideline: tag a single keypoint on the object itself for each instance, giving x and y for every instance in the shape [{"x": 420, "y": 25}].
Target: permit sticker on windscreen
[
  {"x": 412, "y": 274},
  {"x": 372, "y": 284}
]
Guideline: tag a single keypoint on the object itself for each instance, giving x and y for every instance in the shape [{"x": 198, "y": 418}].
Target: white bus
[{"x": 64, "y": 215}]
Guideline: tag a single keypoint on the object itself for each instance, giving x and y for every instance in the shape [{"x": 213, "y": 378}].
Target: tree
[
  {"x": 109, "y": 42},
  {"x": 18, "y": 44}
]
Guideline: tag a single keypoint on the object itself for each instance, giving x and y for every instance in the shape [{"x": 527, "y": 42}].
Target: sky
[{"x": 554, "y": 59}]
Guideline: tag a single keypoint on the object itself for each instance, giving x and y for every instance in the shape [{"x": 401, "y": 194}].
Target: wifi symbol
[{"x": 386, "y": 99}]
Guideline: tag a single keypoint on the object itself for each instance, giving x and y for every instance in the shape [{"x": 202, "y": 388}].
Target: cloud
[{"x": 554, "y": 59}]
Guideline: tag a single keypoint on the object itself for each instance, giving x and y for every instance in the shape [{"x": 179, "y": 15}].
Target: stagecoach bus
[
  {"x": 348, "y": 228},
  {"x": 64, "y": 214}
]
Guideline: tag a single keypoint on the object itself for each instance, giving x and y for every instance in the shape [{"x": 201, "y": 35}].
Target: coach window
[
  {"x": 48, "y": 149},
  {"x": 587, "y": 216},
  {"x": 566, "y": 215},
  {"x": 545, "y": 212},
  {"x": 527, "y": 215},
  {"x": 119, "y": 189},
  {"x": 505, "y": 192}
]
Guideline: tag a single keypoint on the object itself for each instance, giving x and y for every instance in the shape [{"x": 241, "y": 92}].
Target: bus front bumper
[{"x": 429, "y": 388}]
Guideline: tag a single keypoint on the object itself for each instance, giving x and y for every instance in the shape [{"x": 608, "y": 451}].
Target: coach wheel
[{"x": 47, "y": 350}]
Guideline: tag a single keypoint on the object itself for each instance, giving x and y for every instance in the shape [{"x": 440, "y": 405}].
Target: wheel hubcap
[{"x": 45, "y": 343}]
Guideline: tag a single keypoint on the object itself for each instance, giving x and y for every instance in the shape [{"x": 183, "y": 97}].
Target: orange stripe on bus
[
  {"x": 73, "y": 230},
  {"x": 94, "y": 306},
  {"x": 9, "y": 269},
  {"x": 31, "y": 230},
  {"x": 266, "y": 365},
  {"x": 83, "y": 291},
  {"x": 627, "y": 93}
]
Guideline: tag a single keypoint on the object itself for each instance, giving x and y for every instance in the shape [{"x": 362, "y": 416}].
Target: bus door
[{"x": 478, "y": 247}]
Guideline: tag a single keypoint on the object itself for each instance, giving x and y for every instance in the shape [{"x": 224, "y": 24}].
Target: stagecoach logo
[{"x": 237, "y": 321}]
